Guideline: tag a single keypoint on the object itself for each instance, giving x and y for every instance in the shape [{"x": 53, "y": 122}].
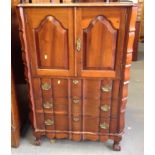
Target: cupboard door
[
  {"x": 50, "y": 40},
  {"x": 98, "y": 41}
]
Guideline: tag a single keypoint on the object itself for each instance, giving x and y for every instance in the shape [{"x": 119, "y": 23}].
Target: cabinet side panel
[
  {"x": 25, "y": 57},
  {"x": 126, "y": 66}
]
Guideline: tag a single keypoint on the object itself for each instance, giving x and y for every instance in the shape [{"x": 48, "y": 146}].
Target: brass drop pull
[
  {"x": 47, "y": 105},
  {"x": 105, "y": 108},
  {"x": 76, "y": 119},
  {"x": 78, "y": 44},
  {"x": 104, "y": 126},
  {"x": 49, "y": 122},
  {"x": 46, "y": 86},
  {"x": 106, "y": 88},
  {"x": 75, "y": 82},
  {"x": 76, "y": 101}
]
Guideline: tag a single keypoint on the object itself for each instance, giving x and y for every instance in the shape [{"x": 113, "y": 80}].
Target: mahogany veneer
[{"x": 77, "y": 62}]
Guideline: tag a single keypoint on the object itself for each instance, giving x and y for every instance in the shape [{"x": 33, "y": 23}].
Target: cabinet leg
[
  {"x": 37, "y": 141},
  {"x": 116, "y": 146}
]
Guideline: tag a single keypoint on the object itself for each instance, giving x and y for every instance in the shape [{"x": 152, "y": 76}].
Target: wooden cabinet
[{"x": 77, "y": 60}]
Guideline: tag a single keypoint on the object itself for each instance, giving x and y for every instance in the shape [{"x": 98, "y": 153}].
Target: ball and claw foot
[
  {"x": 116, "y": 146},
  {"x": 37, "y": 142}
]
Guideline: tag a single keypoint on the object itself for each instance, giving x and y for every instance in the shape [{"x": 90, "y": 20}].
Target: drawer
[
  {"x": 60, "y": 88},
  {"x": 74, "y": 123},
  {"x": 88, "y": 107}
]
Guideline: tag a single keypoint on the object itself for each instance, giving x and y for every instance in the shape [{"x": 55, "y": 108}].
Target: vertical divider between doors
[{"x": 77, "y": 34}]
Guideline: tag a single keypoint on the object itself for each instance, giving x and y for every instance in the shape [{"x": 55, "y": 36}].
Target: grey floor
[{"x": 132, "y": 143}]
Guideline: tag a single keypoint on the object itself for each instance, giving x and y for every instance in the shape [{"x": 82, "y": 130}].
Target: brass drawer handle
[
  {"x": 104, "y": 126},
  {"x": 46, "y": 86},
  {"x": 75, "y": 82},
  {"x": 106, "y": 88},
  {"x": 78, "y": 44},
  {"x": 49, "y": 122},
  {"x": 47, "y": 105},
  {"x": 105, "y": 108},
  {"x": 76, "y": 101},
  {"x": 76, "y": 119}
]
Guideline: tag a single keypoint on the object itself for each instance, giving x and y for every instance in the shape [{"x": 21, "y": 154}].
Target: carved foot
[
  {"x": 116, "y": 146},
  {"x": 37, "y": 142}
]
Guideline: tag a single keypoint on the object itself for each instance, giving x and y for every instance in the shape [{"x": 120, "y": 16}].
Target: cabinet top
[{"x": 98, "y": 4}]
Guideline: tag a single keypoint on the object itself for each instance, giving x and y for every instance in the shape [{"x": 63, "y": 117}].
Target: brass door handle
[
  {"x": 47, "y": 105},
  {"x": 78, "y": 44},
  {"x": 106, "y": 88},
  {"x": 104, "y": 126},
  {"x": 46, "y": 86},
  {"x": 49, "y": 122},
  {"x": 105, "y": 108}
]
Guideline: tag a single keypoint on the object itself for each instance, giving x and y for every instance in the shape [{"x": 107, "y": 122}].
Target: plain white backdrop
[{"x": 5, "y": 77}]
